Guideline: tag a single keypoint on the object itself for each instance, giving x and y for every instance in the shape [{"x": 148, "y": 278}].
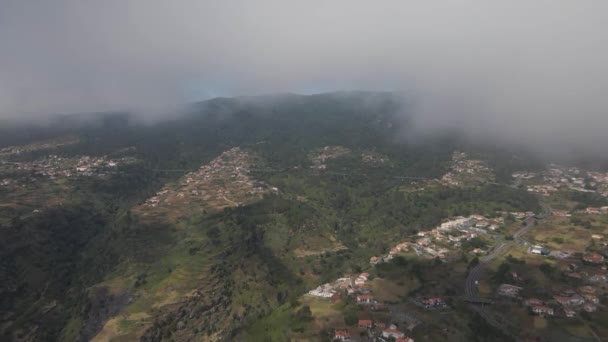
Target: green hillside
[{"x": 90, "y": 265}]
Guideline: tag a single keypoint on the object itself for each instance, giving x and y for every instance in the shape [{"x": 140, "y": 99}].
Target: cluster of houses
[
  {"x": 54, "y": 167},
  {"x": 524, "y": 175},
  {"x": 431, "y": 303},
  {"x": 561, "y": 177},
  {"x": 567, "y": 302},
  {"x": 588, "y": 210},
  {"x": 542, "y": 189},
  {"x": 518, "y": 215},
  {"x": 450, "y": 233},
  {"x": 334, "y": 289},
  {"x": 595, "y": 211},
  {"x": 327, "y": 153},
  {"x": 358, "y": 288},
  {"x": 561, "y": 213},
  {"x": 224, "y": 182},
  {"x": 591, "y": 268},
  {"x": 461, "y": 168},
  {"x": 600, "y": 180},
  {"x": 37, "y": 146},
  {"x": 373, "y": 158},
  {"x": 384, "y": 333}
]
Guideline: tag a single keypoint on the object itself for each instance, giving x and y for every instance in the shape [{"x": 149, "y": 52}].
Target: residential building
[
  {"x": 593, "y": 258},
  {"x": 393, "y": 332},
  {"x": 508, "y": 290},
  {"x": 365, "y": 323},
  {"x": 533, "y": 302},
  {"x": 569, "y": 312},
  {"x": 542, "y": 310},
  {"x": 366, "y": 299},
  {"x": 341, "y": 335},
  {"x": 589, "y": 307}
]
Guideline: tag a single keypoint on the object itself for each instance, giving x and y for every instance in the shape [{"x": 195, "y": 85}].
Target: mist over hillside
[
  {"x": 527, "y": 73},
  {"x": 262, "y": 170}
]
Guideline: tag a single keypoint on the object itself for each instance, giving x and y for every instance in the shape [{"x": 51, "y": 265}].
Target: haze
[{"x": 523, "y": 71}]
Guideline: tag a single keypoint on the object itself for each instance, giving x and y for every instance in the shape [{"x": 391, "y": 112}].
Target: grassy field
[
  {"x": 560, "y": 233},
  {"x": 387, "y": 290}
]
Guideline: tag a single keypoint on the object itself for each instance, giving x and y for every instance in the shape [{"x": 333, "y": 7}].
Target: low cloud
[{"x": 518, "y": 71}]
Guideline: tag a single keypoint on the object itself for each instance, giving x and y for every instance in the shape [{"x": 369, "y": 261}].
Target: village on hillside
[
  {"x": 584, "y": 270},
  {"x": 9, "y": 151},
  {"x": 558, "y": 177},
  {"x": 436, "y": 243},
  {"x": 54, "y": 166},
  {"x": 463, "y": 170},
  {"x": 18, "y": 174},
  {"x": 223, "y": 182},
  {"x": 321, "y": 156}
]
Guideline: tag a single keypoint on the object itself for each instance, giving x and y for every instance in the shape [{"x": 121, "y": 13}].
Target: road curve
[{"x": 471, "y": 289}]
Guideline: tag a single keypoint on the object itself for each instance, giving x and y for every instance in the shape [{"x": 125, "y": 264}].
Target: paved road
[{"x": 471, "y": 288}]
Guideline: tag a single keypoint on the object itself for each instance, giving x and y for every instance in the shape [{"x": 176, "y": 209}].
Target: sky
[{"x": 533, "y": 71}]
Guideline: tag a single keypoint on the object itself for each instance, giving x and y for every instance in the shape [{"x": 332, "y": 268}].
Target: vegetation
[{"x": 88, "y": 256}]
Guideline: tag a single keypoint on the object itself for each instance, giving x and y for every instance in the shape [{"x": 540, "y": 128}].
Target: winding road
[{"x": 471, "y": 283}]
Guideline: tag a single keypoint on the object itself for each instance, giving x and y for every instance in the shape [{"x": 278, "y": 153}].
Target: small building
[
  {"x": 539, "y": 250},
  {"x": 536, "y": 249},
  {"x": 404, "y": 339},
  {"x": 592, "y": 210},
  {"x": 542, "y": 310},
  {"x": 587, "y": 290},
  {"x": 591, "y": 298},
  {"x": 393, "y": 332},
  {"x": 341, "y": 335},
  {"x": 560, "y": 213},
  {"x": 561, "y": 300},
  {"x": 366, "y": 299},
  {"x": 568, "y": 292},
  {"x": 363, "y": 289},
  {"x": 433, "y": 302},
  {"x": 365, "y": 323},
  {"x": 533, "y": 302},
  {"x": 589, "y": 307},
  {"x": 598, "y": 278},
  {"x": 574, "y": 300},
  {"x": 508, "y": 290},
  {"x": 374, "y": 260},
  {"x": 482, "y": 224},
  {"x": 477, "y": 251},
  {"x": 569, "y": 312},
  {"x": 593, "y": 258}
]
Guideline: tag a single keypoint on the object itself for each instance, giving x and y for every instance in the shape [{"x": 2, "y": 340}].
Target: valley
[{"x": 265, "y": 228}]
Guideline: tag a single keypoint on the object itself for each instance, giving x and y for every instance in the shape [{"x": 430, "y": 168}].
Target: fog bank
[{"x": 530, "y": 72}]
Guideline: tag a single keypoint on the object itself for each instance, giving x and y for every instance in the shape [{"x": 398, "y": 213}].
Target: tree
[
  {"x": 304, "y": 313},
  {"x": 350, "y": 318},
  {"x": 474, "y": 262},
  {"x": 501, "y": 273}
]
